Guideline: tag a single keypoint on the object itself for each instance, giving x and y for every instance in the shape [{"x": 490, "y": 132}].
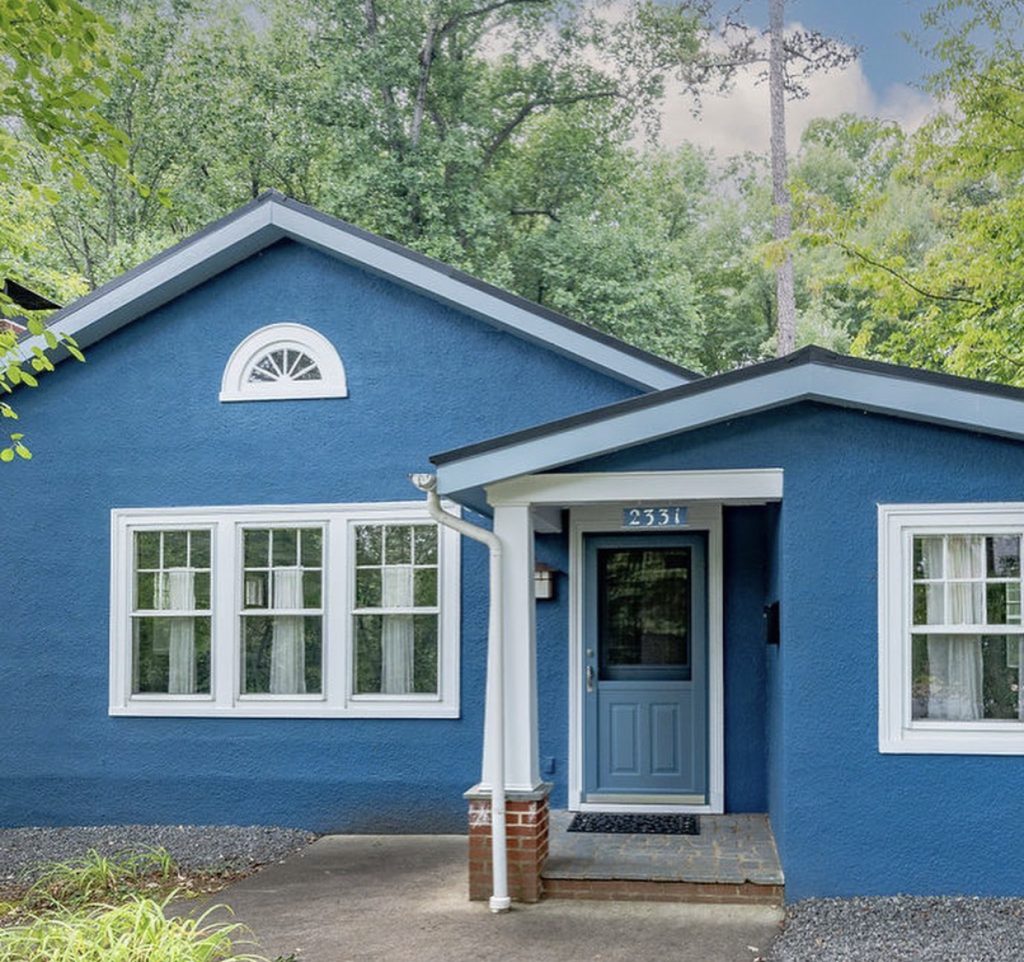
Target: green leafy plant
[
  {"x": 95, "y": 877},
  {"x": 137, "y": 931}
]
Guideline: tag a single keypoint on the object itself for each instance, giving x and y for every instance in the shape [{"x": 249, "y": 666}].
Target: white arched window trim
[{"x": 237, "y": 384}]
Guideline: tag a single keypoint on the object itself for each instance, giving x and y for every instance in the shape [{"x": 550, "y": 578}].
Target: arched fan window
[{"x": 283, "y": 361}]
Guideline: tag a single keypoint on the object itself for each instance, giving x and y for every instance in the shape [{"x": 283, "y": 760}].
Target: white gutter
[{"x": 427, "y": 483}]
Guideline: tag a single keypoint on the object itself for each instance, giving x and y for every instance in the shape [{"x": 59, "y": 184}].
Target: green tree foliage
[
  {"x": 54, "y": 55},
  {"x": 490, "y": 135},
  {"x": 934, "y": 237}
]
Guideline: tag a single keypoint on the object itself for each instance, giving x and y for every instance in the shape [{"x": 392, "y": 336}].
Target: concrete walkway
[{"x": 396, "y": 898}]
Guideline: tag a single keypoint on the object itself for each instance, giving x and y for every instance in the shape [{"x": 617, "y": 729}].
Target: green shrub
[{"x": 136, "y": 931}]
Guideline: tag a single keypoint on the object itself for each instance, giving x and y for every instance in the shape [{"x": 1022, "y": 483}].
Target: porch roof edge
[{"x": 809, "y": 374}]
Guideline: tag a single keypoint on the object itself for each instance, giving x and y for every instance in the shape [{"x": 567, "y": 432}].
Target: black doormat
[{"x": 635, "y": 824}]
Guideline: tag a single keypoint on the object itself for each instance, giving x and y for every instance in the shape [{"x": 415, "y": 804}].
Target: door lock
[{"x": 590, "y": 678}]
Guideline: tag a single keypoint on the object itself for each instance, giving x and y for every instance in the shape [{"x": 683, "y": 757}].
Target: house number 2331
[{"x": 654, "y": 517}]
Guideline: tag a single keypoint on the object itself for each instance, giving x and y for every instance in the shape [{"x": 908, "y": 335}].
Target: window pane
[
  {"x": 966, "y": 556},
  {"x": 425, "y": 537},
  {"x": 369, "y": 544},
  {"x": 256, "y": 593},
  {"x": 199, "y": 549},
  {"x": 398, "y": 545},
  {"x": 285, "y": 546},
  {"x": 171, "y": 656},
  {"x": 147, "y": 549},
  {"x": 312, "y": 548},
  {"x": 175, "y": 549},
  {"x": 395, "y": 654},
  {"x": 425, "y": 666},
  {"x": 286, "y": 584},
  {"x": 1003, "y": 556},
  {"x": 202, "y": 590},
  {"x": 966, "y": 677},
  {"x": 367, "y": 654},
  {"x": 310, "y": 589},
  {"x": 368, "y": 588},
  {"x": 257, "y": 548},
  {"x": 644, "y": 612},
  {"x": 1003, "y": 603},
  {"x": 966, "y": 603},
  {"x": 928, "y": 557},
  {"x": 281, "y": 655},
  {"x": 928, "y": 608},
  {"x": 425, "y": 587},
  {"x": 145, "y": 591}
]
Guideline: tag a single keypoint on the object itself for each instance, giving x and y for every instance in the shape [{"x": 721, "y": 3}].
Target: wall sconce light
[{"x": 543, "y": 581}]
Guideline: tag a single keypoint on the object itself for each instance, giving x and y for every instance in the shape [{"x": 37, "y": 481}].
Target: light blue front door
[{"x": 645, "y": 668}]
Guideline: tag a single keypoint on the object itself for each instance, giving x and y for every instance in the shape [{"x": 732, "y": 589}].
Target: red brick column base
[{"x": 526, "y": 819}]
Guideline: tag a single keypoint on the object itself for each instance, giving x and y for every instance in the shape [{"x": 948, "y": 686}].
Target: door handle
[{"x": 590, "y": 678}]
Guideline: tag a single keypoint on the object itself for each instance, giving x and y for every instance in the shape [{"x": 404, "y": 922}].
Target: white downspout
[{"x": 427, "y": 483}]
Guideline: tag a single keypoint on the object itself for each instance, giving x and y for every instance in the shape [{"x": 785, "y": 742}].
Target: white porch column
[{"x": 514, "y": 526}]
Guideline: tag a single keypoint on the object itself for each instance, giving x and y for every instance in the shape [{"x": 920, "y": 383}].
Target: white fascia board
[
  {"x": 455, "y": 292},
  {"x": 205, "y": 256},
  {"x": 748, "y": 485},
  {"x": 864, "y": 390}
]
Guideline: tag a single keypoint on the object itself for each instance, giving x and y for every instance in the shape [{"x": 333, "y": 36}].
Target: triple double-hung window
[{"x": 317, "y": 610}]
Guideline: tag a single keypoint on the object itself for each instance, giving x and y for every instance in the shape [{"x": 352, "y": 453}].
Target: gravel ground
[
  {"x": 193, "y": 847},
  {"x": 901, "y": 929}
]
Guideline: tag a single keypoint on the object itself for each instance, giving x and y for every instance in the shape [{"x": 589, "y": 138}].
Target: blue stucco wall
[
  {"x": 851, "y": 820},
  {"x": 140, "y": 425},
  {"x": 745, "y": 588}
]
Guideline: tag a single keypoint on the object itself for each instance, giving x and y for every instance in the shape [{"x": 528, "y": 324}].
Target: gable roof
[
  {"x": 273, "y": 217},
  {"x": 810, "y": 374}
]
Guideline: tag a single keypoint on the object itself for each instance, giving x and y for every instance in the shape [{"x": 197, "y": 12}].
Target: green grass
[
  {"x": 135, "y": 931},
  {"x": 95, "y": 877},
  {"x": 111, "y": 908}
]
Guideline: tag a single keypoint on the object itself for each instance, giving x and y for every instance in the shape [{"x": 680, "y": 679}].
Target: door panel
[
  {"x": 623, "y": 739},
  {"x": 645, "y": 645}
]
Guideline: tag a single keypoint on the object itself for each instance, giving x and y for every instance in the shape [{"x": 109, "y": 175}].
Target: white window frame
[
  {"x": 898, "y": 731},
  {"x": 235, "y": 385},
  {"x": 337, "y": 699}
]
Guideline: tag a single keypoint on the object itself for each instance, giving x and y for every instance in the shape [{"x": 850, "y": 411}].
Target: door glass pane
[{"x": 644, "y": 617}]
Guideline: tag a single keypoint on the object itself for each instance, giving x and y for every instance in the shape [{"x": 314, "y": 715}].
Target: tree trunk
[{"x": 782, "y": 224}]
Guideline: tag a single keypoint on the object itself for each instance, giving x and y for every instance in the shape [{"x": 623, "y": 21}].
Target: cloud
[{"x": 738, "y": 121}]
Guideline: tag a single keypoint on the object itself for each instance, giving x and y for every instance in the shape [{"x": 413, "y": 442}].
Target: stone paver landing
[{"x": 733, "y": 849}]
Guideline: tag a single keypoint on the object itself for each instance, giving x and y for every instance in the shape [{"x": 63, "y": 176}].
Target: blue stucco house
[{"x": 792, "y": 589}]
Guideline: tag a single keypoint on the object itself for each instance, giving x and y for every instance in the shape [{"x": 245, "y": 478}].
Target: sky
[{"x": 882, "y": 82}]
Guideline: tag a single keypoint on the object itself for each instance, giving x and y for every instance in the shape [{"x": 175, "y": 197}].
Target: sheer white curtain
[
  {"x": 954, "y": 661},
  {"x": 288, "y": 648},
  {"x": 178, "y": 594},
  {"x": 397, "y": 632}
]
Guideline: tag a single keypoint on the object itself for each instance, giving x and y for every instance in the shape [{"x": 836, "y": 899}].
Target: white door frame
[{"x": 607, "y": 519}]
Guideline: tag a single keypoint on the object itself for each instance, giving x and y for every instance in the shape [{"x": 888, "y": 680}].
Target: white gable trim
[
  {"x": 648, "y": 419},
  {"x": 273, "y": 218}
]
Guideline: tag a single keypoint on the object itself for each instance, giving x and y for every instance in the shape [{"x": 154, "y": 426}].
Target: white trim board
[
  {"x": 606, "y": 519},
  {"x": 273, "y": 217}
]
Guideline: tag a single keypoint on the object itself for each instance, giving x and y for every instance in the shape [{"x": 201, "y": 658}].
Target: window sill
[
  {"x": 278, "y": 709},
  {"x": 982, "y": 740}
]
